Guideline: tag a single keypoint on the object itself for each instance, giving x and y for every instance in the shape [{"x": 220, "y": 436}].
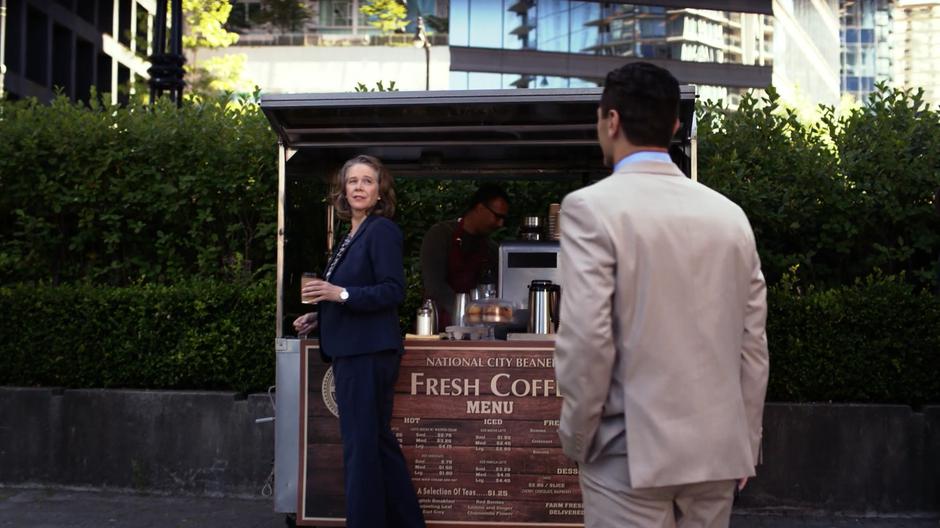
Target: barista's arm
[{"x": 434, "y": 248}]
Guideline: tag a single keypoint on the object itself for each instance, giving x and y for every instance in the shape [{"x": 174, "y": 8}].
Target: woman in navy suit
[{"x": 358, "y": 318}]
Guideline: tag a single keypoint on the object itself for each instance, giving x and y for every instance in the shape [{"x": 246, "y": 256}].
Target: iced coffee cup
[{"x": 306, "y": 279}]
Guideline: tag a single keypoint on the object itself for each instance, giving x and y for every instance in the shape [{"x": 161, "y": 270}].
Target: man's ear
[
  {"x": 613, "y": 123},
  {"x": 675, "y": 128}
]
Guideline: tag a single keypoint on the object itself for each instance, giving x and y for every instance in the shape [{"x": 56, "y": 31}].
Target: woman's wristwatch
[{"x": 343, "y": 295}]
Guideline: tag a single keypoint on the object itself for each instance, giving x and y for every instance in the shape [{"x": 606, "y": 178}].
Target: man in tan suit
[{"x": 661, "y": 356}]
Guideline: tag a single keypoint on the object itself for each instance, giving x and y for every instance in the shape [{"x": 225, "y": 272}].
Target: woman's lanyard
[{"x": 336, "y": 257}]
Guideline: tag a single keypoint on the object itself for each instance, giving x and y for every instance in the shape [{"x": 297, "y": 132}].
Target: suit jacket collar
[
  {"x": 650, "y": 167},
  {"x": 362, "y": 229}
]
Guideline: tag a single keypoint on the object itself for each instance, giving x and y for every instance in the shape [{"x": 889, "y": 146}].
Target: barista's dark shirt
[{"x": 475, "y": 254}]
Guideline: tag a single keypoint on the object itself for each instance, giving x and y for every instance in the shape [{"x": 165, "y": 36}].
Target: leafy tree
[
  {"x": 389, "y": 16},
  {"x": 205, "y": 24},
  {"x": 205, "y": 29},
  {"x": 222, "y": 74}
]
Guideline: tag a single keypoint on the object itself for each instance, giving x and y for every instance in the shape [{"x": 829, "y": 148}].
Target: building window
[
  {"x": 336, "y": 13},
  {"x": 651, "y": 10},
  {"x": 652, "y": 28},
  {"x": 245, "y": 14}
]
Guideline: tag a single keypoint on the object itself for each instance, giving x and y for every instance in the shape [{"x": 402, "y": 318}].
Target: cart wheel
[{"x": 290, "y": 520}]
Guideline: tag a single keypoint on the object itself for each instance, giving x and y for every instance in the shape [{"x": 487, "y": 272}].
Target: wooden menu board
[{"x": 478, "y": 424}]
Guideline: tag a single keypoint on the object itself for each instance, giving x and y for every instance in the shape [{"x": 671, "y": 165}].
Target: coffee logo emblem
[{"x": 328, "y": 389}]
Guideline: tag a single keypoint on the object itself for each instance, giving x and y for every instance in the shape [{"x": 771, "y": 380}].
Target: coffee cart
[{"x": 477, "y": 420}]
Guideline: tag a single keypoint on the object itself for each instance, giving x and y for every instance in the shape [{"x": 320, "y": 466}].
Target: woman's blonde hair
[{"x": 386, "y": 204}]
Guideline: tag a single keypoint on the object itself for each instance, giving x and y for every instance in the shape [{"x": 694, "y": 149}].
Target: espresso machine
[
  {"x": 521, "y": 262},
  {"x": 528, "y": 277}
]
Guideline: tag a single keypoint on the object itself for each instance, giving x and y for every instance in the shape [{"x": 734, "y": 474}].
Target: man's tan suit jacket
[{"x": 662, "y": 334}]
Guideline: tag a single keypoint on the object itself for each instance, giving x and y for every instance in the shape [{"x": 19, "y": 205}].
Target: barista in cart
[{"x": 457, "y": 255}]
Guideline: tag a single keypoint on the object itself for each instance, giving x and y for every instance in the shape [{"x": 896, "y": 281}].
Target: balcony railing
[{"x": 337, "y": 39}]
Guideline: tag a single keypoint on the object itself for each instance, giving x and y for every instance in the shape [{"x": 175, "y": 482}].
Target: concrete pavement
[
  {"x": 85, "y": 508},
  {"x": 69, "y": 508}
]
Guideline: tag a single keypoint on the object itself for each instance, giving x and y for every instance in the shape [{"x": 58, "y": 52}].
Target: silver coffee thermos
[{"x": 543, "y": 306}]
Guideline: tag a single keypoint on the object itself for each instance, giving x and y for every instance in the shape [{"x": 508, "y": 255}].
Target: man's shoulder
[
  {"x": 623, "y": 190},
  {"x": 717, "y": 199},
  {"x": 580, "y": 195},
  {"x": 438, "y": 234},
  {"x": 450, "y": 223},
  {"x": 593, "y": 194},
  {"x": 442, "y": 227}
]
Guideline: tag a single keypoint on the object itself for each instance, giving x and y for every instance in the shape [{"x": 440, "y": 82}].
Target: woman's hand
[
  {"x": 320, "y": 290},
  {"x": 305, "y": 323}
]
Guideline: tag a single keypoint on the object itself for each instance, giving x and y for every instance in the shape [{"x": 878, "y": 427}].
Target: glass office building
[
  {"x": 554, "y": 43},
  {"x": 916, "y": 61},
  {"x": 866, "y": 45},
  {"x": 329, "y": 23},
  {"x": 72, "y": 45},
  {"x": 806, "y": 52}
]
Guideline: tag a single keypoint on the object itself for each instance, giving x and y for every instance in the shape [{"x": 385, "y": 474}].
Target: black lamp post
[
  {"x": 166, "y": 70},
  {"x": 421, "y": 41}
]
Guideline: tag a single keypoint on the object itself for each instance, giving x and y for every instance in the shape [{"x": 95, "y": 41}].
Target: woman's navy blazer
[{"x": 372, "y": 272}]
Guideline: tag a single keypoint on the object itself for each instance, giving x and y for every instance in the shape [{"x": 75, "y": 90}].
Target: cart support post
[{"x": 281, "y": 197}]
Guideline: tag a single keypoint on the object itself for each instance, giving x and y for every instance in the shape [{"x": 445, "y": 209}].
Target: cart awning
[{"x": 505, "y": 133}]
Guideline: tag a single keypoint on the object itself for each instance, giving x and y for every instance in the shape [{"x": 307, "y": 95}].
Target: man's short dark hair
[
  {"x": 647, "y": 99},
  {"x": 485, "y": 194}
]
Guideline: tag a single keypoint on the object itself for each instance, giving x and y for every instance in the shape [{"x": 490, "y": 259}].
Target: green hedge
[
  {"x": 119, "y": 195},
  {"x": 194, "y": 335},
  {"x": 842, "y": 197},
  {"x": 875, "y": 341},
  {"x": 154, "y": 222}
]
